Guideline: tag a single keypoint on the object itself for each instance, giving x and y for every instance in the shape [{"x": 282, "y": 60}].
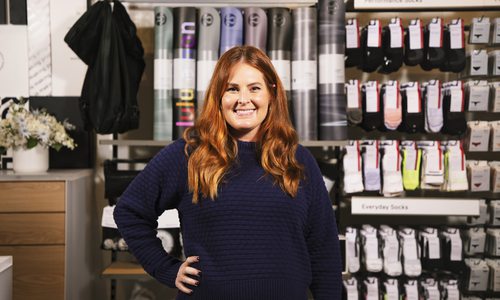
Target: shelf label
[
  {"x": 422, "y": 4},
  {"x": 414, "y": 206}
]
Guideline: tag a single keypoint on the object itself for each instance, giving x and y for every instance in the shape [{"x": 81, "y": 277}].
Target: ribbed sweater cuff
[{"x": 167, "y": 274}]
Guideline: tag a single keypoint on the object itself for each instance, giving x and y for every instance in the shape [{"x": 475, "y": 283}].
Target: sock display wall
[{"x": 418, "y": 175}]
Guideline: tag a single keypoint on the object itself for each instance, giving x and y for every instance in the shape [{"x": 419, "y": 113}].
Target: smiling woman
[
  {"x": 256, "y": 219},
  {"x": 245, "y": 102}
]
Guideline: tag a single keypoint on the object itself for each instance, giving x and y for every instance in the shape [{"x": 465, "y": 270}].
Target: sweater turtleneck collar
[{"x": 246, "y": 147}]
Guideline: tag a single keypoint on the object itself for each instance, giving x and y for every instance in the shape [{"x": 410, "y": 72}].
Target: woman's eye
[
  {"x": 232, "y": 89},
  {"x": 255, "y": 89}
]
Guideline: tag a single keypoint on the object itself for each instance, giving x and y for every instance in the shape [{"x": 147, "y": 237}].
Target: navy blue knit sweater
[{"x": 254, "y": 241}]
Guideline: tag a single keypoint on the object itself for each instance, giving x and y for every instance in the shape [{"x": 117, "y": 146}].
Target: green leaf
[
  {"x": 32, "y": 142},
  {"x": 57, "y": 146}
]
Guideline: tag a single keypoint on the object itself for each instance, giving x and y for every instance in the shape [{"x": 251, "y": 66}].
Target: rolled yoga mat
[
  {"x": 184, "y": 69},
  {"x": 208, "y": 50},
  {"x": 231, "y": 29},
  {"x": 279, "y": 49},
  {"x": 304, "y": 73},
  {"x": 163, "y": 109},
  {"x": 331, "y": 69},
  {"x": 255, "y": 27}
]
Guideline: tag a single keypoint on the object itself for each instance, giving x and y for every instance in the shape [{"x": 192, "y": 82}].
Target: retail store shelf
[
  {"x": 152, "y": 143},
  {"x": 124, "y": 270},
  {"x": 424, "y": 194}
]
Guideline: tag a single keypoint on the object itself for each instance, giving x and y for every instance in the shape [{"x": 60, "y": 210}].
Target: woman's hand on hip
[{"x": 182, "y": 275}]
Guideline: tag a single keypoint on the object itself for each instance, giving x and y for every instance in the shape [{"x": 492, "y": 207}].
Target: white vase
[{"x": 34, "y": 160}]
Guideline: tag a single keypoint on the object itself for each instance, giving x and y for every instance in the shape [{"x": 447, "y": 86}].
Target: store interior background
[{"x": 143, "y": 17}]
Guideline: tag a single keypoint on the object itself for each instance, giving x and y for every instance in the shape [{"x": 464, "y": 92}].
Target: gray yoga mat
[
  {"x": 279, "y": 49},
  {"x": 255, "y": 27},
  {"x": 208, "y": 50},
  {"x": 331, "y": 70},
  {"x": 163, "y": 109},
  {"x": 231, "y": 28},
  {"x": 304, "y": 72},
  {"x": 184, "y": 69}
]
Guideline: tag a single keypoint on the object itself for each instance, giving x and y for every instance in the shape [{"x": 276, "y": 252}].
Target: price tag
[
  {"x": 434, "y": 95},
  {"x": 413, "y": 99},
  {"x": 411, "y": 159},
  {"x": 436, "y": 33},
  {"x": 396, "y": 32},
  {"x": 372, "y": 97},
  {"x": 392, "y": 95},
  {"x": 352, "y": 34},
  {"x": 374, "y": 32},
  {"x": 456, "y": 98},
  {"x": 416, "y": 35},
  {"x": 353, "y": 95},
  {"x": 456, "y": 248},
  {"x": 456, "y": 34},
  {"x": 434, "y": 247},
  {"x": 410, "y": 248}
]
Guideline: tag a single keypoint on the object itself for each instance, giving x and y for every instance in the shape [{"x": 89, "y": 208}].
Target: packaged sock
[
  {"x": 494, "y": 62},
  {"x": 434, "y": 54},
  {"x": 414, "y": 43},
  {"x": 454, "y": 45},
  {"x": 430, "y": 246},
  {"x": 391, "y": 169},
  {"x": 371, "y": 289},
  {"x": 354, "y": 108},
  {"x": 411, "y": 289},
  {"x": 352, "y": 44},
  {"x": 495, "y": 96},
  {"x": 433, "y": 106},
  {"x": 477, "y": 273},
  {"x": 411, "y": 166},
  {"x": 495, "y": 135},
  {"x": 413, "y": 116},
  {"x": 474, "y": 241},
  {"x": 371, "y": 165},
  {"x": 479, "y": 175},
  {"x": 452, "y": 249},
  {"x": 371, "y": 104},
  {"x": 353, "y": 250},
  {"x": 371, "y": 41},
  {"x": 477, "y": 93},
  {"x": 494, "y": 282},
  {"x": 372, "y": 259},
  {"x": 478, "y": 63},
  {"x": 411, "y": 259},
  {"x": 391, "y": 98},
  {"x": 455, "y": 169},
  {"x": 495, "y": 37},
  {"x": 449, "y": 289},
  {"x": 478, "y": 136},
  {"x": 353, "y": 177},
  {"x": 351, "y": 288},
  {"x": 494, "y": 208},
  {"x": 392, "y": 45},
  {"x": 390, "y": 250},
  {"x": 479, "y": 32},
  {"x": 495, "y": 176},
  {"x": 430, "y": 289},
  {"x": 453, "y": 108},
  {"x": 432, "y": 166},
  {"x": 390, "y": 289}
]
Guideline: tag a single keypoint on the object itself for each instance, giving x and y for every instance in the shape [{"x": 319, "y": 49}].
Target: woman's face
[{"x": 245, "y": 102}]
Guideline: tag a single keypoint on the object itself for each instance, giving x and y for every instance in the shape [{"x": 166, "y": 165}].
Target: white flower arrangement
[{"x": 26, "y": 129}]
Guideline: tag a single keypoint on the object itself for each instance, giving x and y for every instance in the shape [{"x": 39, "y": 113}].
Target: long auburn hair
[{"x": 211, "y": 149}]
